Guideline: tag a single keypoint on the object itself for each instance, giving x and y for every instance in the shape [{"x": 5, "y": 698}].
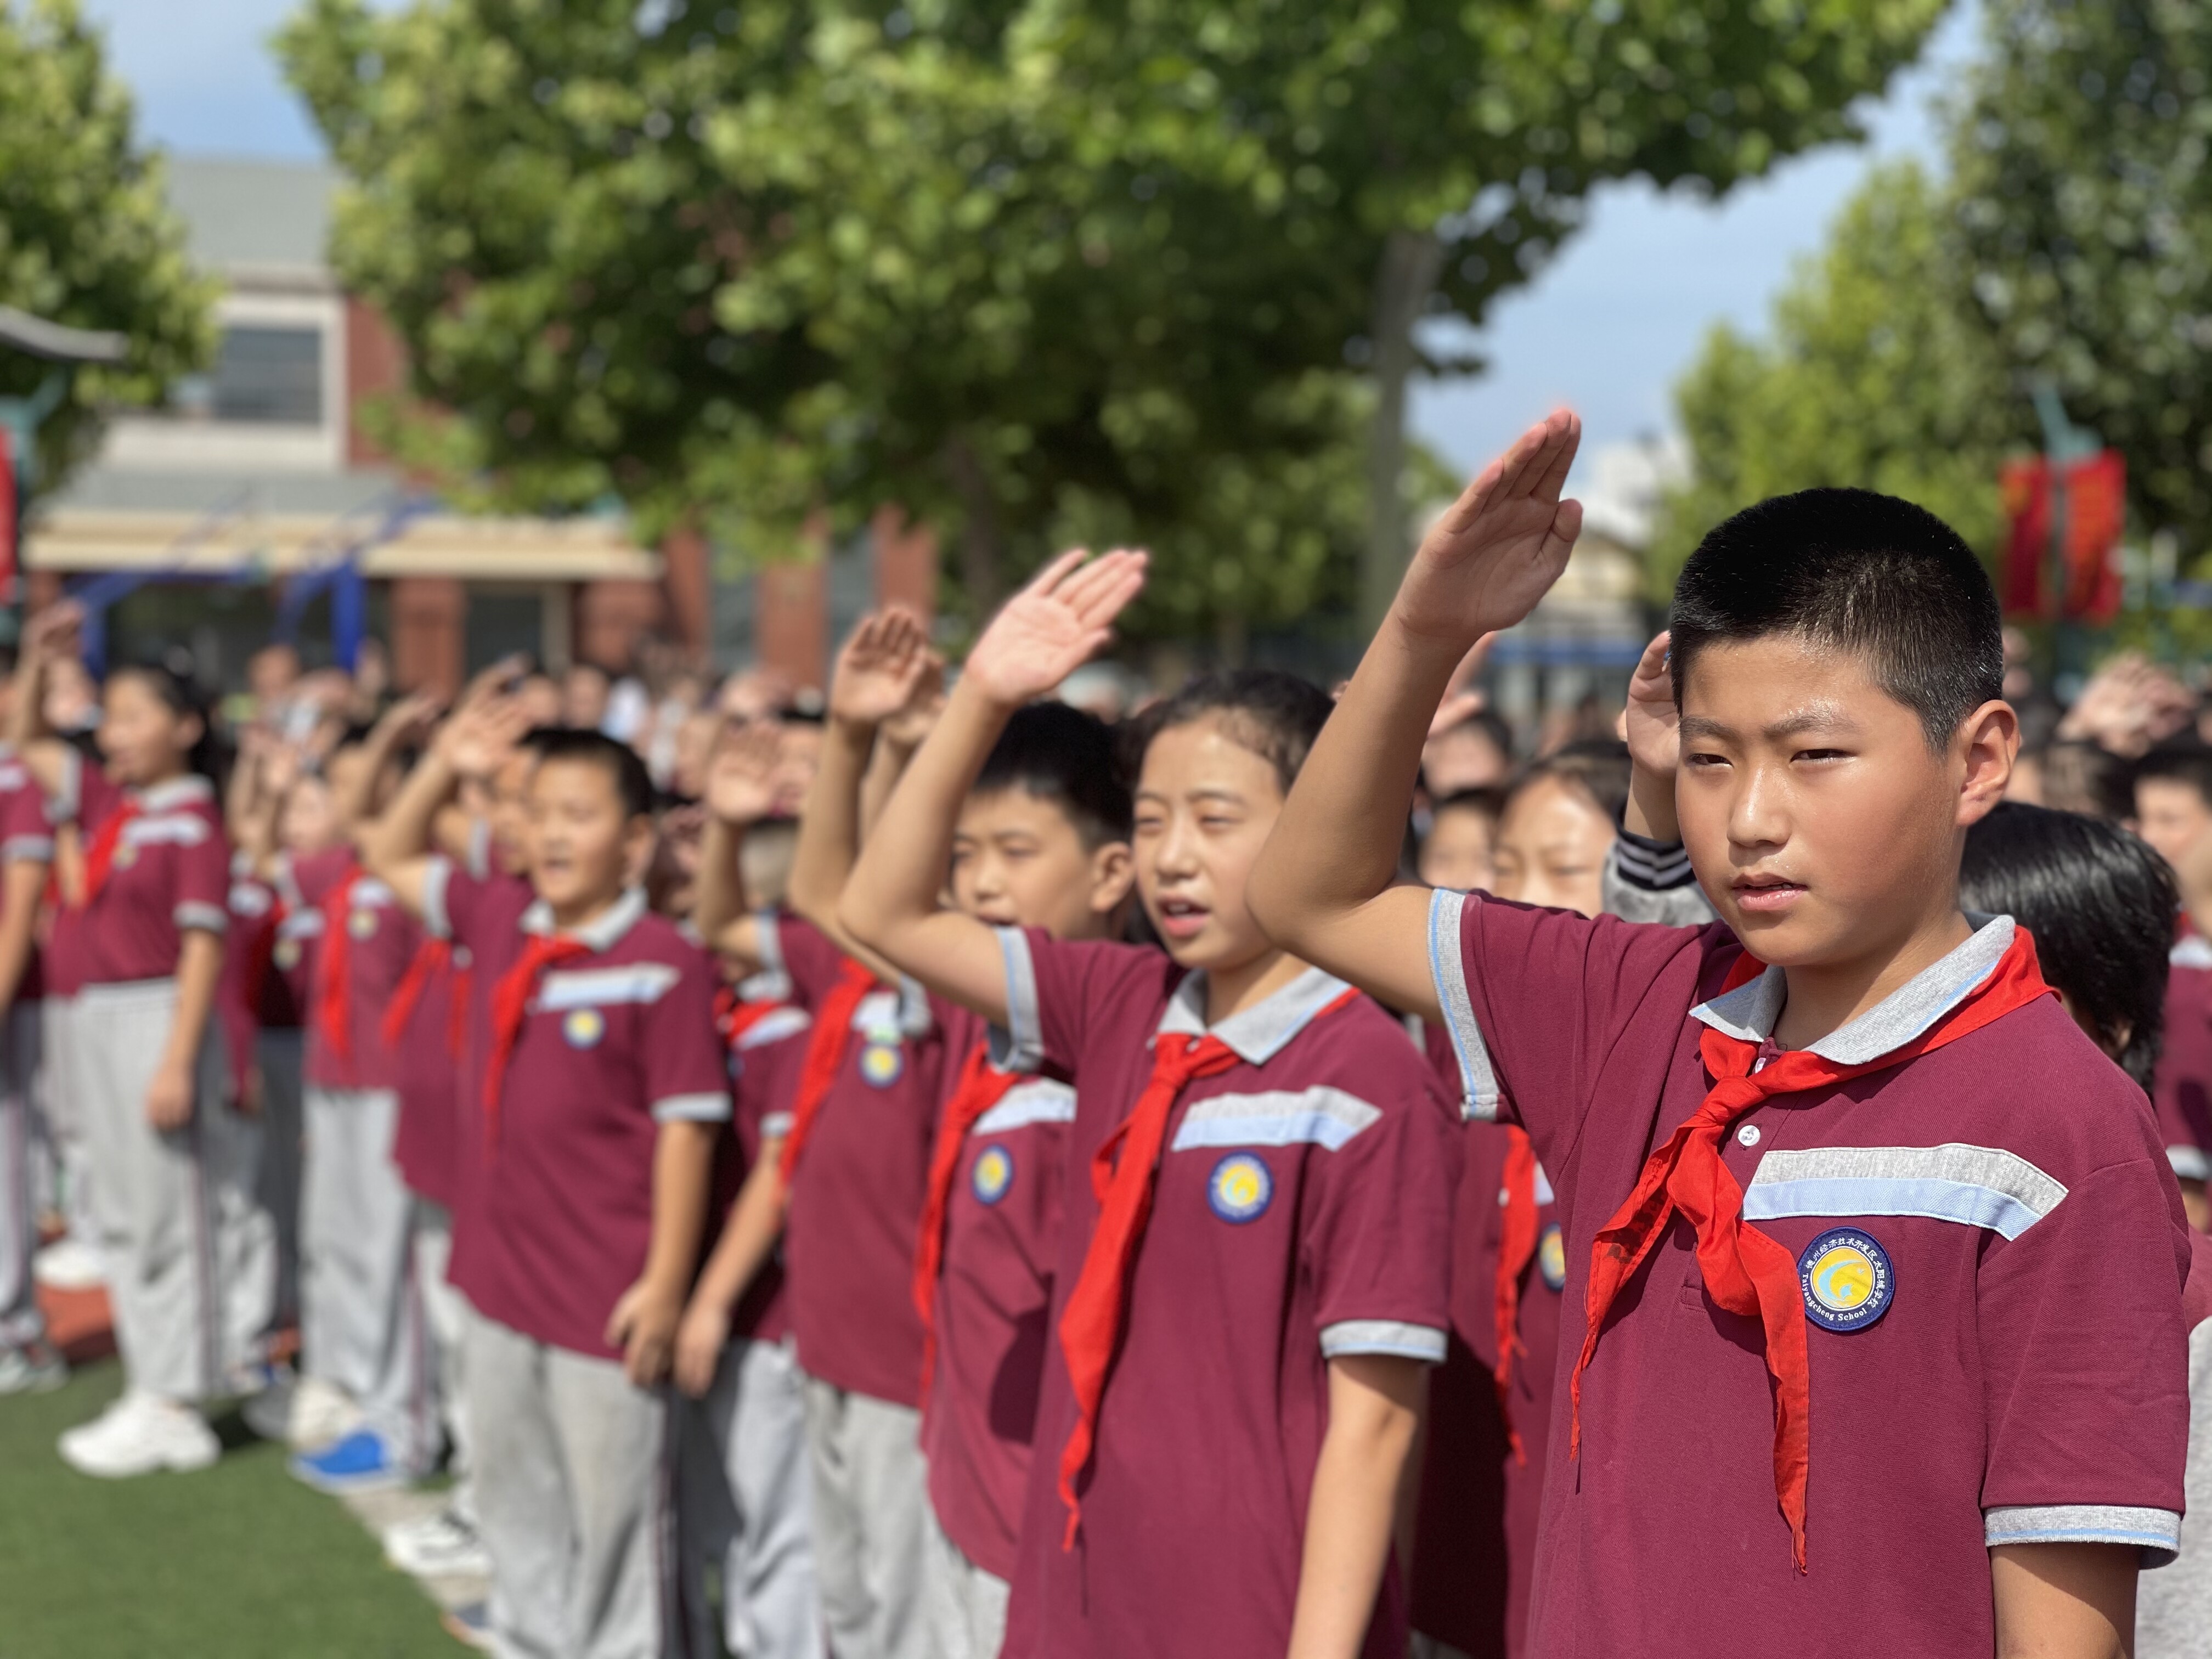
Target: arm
[
  {"x": 748, "y": 1240},
  {"x": 403, "y": 720},
  {"x": 26, "y": 886},
  {"x": 740, "y": 792},
  {"x": 395, "y": 847},
  {"x": 1374, "y": 1408},
  {"x": 890, "y": 902},
  {"x": 1324, "y": 888},
  {"x": 2065, "y": 1600},
  {"x": 643, "y": 1324},
  {"x": 199, "y": 965}
]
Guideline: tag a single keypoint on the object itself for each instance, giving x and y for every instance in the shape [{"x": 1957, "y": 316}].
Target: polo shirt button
[{"x": 1747, "y": 1135}]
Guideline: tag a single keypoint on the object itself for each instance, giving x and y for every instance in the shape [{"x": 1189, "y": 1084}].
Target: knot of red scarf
[
  {"x": 825, "y": 1055},
  {"x": 982, "y": 1086},
  {"x": 1516, "y": 1248},
  {"x": 510, "y": 1007},
  {"x": 1745, "y": 1270},
  {"x": 107, "y": 841},
  {"x": 336, "y": 966},
  {"x": 430, "y": 958}
]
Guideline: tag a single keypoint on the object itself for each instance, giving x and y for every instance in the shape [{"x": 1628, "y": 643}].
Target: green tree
[
  {"x": 86, "y": 236},
  {"x": 1878, "y": 373}
]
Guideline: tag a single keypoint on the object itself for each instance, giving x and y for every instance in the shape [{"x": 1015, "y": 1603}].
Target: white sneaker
[
  {"x": 69, "y": 1264},
  {"x": 440, "y": 1545},
  {"x": 323, "y": 1414},
  {"x": 137, "y": 1435},
  {"x": 34, "y": 1368}
]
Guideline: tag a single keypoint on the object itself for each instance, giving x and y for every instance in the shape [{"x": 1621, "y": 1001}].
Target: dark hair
[
  {"x": 1489, "y": 800},
  {"x": 2083, "y": 777},
  {"x": 1858, "y": 572},
  {"x": 2188, "y": 762},
  {"x": 1598, "y": 766},
  {"x": 1492, "y": 726},
  {"x": 621, "y": 763},
  {"x": 1275, "y": 715},
  {"x": 1065, "y": 757},
  {"x": 2101, "y": 906},
  {"x": 173, "y": 686}
]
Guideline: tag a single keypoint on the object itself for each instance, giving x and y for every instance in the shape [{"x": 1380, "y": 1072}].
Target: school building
[{"x": 257, "y": 481}]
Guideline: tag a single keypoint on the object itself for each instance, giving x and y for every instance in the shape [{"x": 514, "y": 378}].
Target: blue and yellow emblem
[
  {"x": 1551, "y": 1256},
  {"x": 1846, "y": 1279},
  {"x": 1240, "y": 1188},
  {"x": 584, "y": 1027},
  {"x": 287, "y": 954},
  {"x": 362, "y": 924},
  {"x": 992, "y": 1175},
  {"x": 125, "y": 855},
  {"x": 881, "y": 1064}
]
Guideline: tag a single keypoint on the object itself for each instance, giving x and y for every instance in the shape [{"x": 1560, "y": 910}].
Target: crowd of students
[{"x": 939, "y": 1174}]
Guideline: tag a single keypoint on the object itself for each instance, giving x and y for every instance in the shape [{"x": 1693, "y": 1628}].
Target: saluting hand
[
  {"x": 1502, "y": 544},
  {"x": 1053, "y": 626},
  {"x": 879, "y": 667},
  {"x": 741, "y": 773}
]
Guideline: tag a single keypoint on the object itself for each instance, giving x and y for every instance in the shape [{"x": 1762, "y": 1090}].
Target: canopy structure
[{"x": 58, "y": 343}]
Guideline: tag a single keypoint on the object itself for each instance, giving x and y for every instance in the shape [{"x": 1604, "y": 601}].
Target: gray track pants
[
  {"x": 870, "y": 1522},
  {"x": 745, "y": 1506},
  {"x": 62, "y": 1104},
  {"x": 573, "y": 1474},
  {"x": 191, "y": 1254},
  {"x": 967, "y": 1605},
  {"x": 20, "y": 1322},
  {"x": 278, "y": 1051},
  {"x": 446, "y": 1318}
]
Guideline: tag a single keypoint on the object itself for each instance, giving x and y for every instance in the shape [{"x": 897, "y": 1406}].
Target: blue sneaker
[{"x": 360, "y": 1462}]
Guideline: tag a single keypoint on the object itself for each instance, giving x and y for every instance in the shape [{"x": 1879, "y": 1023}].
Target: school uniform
[
  {"x": 32, "y": 1147},
  {"x": 190, "y": 1249},
  {"x": 2182, "y": 1090},
  {"x": 746, "y": 1485},
  {"x": 362, "y": 1318},
  {"x": 1954, "y": 1249},
  {"x": 580, "y": 1046},
  {"x": 990, "y": 1237},
  {"x": 1279, "y": 1188},
  {"x": 857, "y": 1161},
  {"x": 264, "y": 983}
]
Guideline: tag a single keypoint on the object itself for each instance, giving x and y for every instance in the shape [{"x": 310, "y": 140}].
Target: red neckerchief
[
  {"x": 1516, "y": 1248},
  {"x": 982, "y": 1086},
  {"x": 825, "y": 1055},
  {"x": 100, "y": 855},
  {"x": 1090, "y": 1326},
  {"x": 335, "y": 967},
  {"x": 1746, "y": 1271},
  {"x": 510, "y": 1007},
  {"x": 431, "y": 956},
  {"x": 734, "y": 1014}
]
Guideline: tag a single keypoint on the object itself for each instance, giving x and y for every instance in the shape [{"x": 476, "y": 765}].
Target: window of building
[{"x": 263, "y": 375}]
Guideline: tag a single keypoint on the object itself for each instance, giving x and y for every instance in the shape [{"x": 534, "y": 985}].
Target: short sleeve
[
  {"x": 686, "y": 1076},
  {"x": 809, "y": 958},
  {"x": 26, "y": 837},
  {"x": 1057, "y": 991},
  {"x": 203, "y": 895},
  {"x": 456, "y": 905},
  {"x": 1378, "y": 1238},
  {"x": 2085, "y": 1371}
]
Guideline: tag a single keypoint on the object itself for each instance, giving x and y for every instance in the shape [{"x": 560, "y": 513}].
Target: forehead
[
  {"x": 1550, "y": 807},
  {"x": 1754, "y": 683},
  {"x": 1201, "y": 755},
  {"x": 569, "y": 776},
  {"x": 1013, "y": 809}
]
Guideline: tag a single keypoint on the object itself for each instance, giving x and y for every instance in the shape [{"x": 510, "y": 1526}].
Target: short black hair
[
  {"x": 1854, "y": 571},
  {"x": 1598, "y": 766},
  {"x": 2188, "y": 762},
  {"x": 1062, "y": 755},
  {"x": 621, "y": 763},
  {"x": 1488, "y": 800},
  {"x": 2101, "y": 906},
  {"x": 1275, "y": 715},
  {"x": 1492, "y": 726}
]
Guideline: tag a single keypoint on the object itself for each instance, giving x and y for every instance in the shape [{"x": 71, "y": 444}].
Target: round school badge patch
[
  {"x": 881, "y": 1064},
  {"x": 125, "y": 855},
  {"x": 286, "y": 954},
  {"x": 1847, "y": 1281},
  {"x": 1240, "y": 1188},
  {"x": 993, "y": 1173},
  {"x": 1551, "y": 1256},
  {"x": 362, "y": 924},
  {"x": 584, "y": 1027}
]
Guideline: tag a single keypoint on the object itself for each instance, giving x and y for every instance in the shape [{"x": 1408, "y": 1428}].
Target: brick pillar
[
  {"x": 688, "y": 577},
  {"x": 906, "y": 562},
  {"x": 375, "y": 367},
  {"x": 429, "y": 634},
  {"x": 792, "y": 622},
  {"x": 612, "y": 616}
]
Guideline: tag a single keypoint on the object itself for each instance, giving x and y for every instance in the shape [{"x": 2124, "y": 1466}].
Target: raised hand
[
  {"x": 906, "y": 729},
  {"x": 1497, "y": 549},
  {"x": 741, "y": 774},
  {"x": 879, "y": 667},
  {"x": 481, "y": 735},
  {"x": 1053, "y": 626},
  {"x": 1650, "y": 725},
  {"x": 409, "y": 718}
]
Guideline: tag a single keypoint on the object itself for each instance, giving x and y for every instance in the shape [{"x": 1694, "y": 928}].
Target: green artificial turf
[{"x": 234, "y": 1562}]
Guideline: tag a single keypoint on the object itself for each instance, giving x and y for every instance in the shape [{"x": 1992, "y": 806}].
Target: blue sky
[{"x": 1608, "y": 328}]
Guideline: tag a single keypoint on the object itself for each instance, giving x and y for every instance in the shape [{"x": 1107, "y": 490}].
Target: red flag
[{"x": 2096, "y": 489}]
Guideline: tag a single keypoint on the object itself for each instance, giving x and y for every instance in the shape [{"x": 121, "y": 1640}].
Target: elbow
[
  {"x": 1268, "y": 897},
  {"x": 862, "y": 921}
]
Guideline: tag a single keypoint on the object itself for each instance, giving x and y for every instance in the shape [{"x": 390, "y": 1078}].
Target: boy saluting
[{"x": 1874, "y": 1263}]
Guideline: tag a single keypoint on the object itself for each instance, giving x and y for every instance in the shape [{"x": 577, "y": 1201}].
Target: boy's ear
[
  {"x": 1987, "y": 743},
  {"x": 1113, "y": 874}
]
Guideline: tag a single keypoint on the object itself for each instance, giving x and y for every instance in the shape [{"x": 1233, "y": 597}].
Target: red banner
[{"x": 2096, "y": 489}]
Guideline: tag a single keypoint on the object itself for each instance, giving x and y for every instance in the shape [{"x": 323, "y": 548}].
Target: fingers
[
  {"x": 1558, "y": 454},
  {"x": 1652, "y": 664},
  {"x": 1109, "y": 586},
  {"x": 1566, "y": 525},
  {"x": 1048, "y": 579}
]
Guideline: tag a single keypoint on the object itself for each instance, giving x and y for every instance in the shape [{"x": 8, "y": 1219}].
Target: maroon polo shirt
[
  {"x": 993, "y": 1303},
  {"x": 857, "y": 1193},
  {"x": 2022, "y": 1379},
  {"x": 171, "y": 872},
  {"x": 558, "y": 1220},
  {"x": 25, "y": 836},
  {"x": 380, "y": 943},
  {"x": 1302, "y": 1210},
  {"x": 423, "y": 1147},
  {"x": 765, "y": 1060},
  {"x": 1476, "y": 1537},
  {"x": 2183, "y": 1088}
]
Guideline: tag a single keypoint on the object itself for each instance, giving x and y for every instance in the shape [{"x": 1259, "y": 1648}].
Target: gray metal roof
[
  {"x": 203, "y": 490},
  {"x": 253, "y": 214}
]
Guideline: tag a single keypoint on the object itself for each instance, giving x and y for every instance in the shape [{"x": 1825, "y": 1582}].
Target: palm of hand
[
  {"x": 739, "y": 788},
  {"x": 1497, "y": 549},
  {"x": 1651, "y": 724},
  {"x": 870, "y": 689},
  {"x": 1031, "y": 647}
]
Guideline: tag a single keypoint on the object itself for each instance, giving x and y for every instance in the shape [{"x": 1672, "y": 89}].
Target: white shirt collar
[
  {"x": 603, "y": 931},
  {"x": 186, "y": 791},
  {"x": 1258, "y": 1033}
]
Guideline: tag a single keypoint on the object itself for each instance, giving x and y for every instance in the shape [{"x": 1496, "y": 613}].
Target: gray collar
[
  {"x": 175, "y": 792},
  {"x": 1256, "y": 1033},
  {"x": 603, "y": 931},
  {"x": 1749, "y": 1012}
]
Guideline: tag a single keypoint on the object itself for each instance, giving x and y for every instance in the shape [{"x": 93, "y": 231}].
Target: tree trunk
[
  {"x": 983, "y": 548},
  {"x": 1411, "y": 260}
]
